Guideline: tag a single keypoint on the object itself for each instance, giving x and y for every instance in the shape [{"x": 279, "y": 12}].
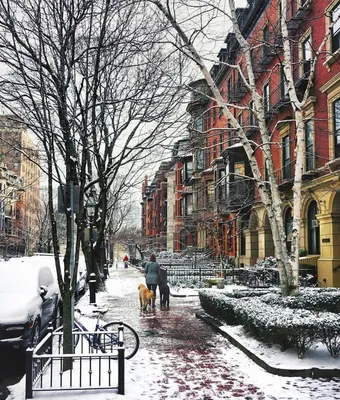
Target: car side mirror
[{"x": 43, "y": 291}]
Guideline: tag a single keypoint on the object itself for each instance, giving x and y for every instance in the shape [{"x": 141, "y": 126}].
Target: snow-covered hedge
[
  {"x": 295, "y": 328},
  {"x": 308, "y": 299}
]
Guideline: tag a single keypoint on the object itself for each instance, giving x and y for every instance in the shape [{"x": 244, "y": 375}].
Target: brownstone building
[{"x": 20, "y": 156}]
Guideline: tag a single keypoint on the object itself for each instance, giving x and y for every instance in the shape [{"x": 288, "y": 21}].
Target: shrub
[
  {"x": 329, "y": 333},
  {"x": 216, "y": 304},
  {"x": 310, "y": 299},
  {"x": 270, "y": 322}
]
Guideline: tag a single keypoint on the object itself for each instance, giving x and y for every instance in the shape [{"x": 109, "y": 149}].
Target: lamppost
[{"x": 91, "y": 209}]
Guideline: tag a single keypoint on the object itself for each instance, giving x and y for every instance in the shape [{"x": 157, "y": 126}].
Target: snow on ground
[{"x": 219, "y": 371}]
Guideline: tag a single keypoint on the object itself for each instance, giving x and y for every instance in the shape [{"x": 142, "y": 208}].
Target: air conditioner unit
[{"x": 315, "y": 223}]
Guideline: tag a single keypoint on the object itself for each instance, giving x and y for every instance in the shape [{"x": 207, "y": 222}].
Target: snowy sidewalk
[{"x": 183, "y": 358}]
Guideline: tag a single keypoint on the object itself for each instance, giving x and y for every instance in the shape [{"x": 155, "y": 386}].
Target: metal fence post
[
  {"x": 121, "y": 361},
  {"x": 29, "y": 373}
]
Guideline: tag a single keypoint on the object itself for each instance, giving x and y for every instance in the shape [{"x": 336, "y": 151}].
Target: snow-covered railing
[{"x": 92, "y": 369}]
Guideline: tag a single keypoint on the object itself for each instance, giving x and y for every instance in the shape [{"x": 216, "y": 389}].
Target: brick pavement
[{"x": 182, "y": 357}]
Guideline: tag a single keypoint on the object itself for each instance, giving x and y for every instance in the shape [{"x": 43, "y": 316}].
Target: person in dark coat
[
  {"x": 151, "y": 277},
  {"x": 164, "y": 290}
]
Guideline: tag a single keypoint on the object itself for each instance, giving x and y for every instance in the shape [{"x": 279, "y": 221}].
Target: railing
[
  {"x": 92, "y": 369},
  {"x": 190, "y": 271},
  {"x": 309, "y": 261}
]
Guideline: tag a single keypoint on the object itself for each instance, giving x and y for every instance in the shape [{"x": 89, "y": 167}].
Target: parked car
[
  {"x": 30, "y": 300},
  {"x": 82, "y": 274}
]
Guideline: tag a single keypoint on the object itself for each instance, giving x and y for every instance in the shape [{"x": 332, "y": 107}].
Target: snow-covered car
[
  {"x": 29, "y": 298},
  {"x": 81, "y": 277}
]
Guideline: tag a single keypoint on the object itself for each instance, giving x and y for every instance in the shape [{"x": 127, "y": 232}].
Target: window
[
  {"x": 221, "y": 185},
  {"x": 238, "y": 188},
  {"x": 279, "y": 17},
  {"x": 283, "y": 83},
  {"x": 335, "y": 13},
  {"x": 336, "y": 114},
  {"x": 210, "y": 192},
  {"x": 16, "y": 166},
  {"x": 187, "y": 171},
  {"x": 214, "y": 148},
  {"x": 288, "y": 228},
  {"x": 266, "y": 97},
  {"x": 243, "y": 243},
  {"x": 230, "y": 236},
  {"x": 313, "y": 229},
  {"x": 252, "y": 121},
  {"x": 265, "y": 41},
  {"x": 309, "y": 146},
  {"x": 230, "y": 90},
  {"x": 188, "y": 204},
  {"x": 306, "y": 55},
  {"x": 286, "y": 157},
  {"x": 199, "y": 159},
  {"x": 240, "y": 119}
]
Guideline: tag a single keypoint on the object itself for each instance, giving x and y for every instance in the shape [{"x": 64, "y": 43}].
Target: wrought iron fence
[{"x": 92, "y": 369}]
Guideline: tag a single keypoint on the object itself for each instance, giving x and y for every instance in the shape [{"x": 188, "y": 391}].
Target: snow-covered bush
[
  {"x": 308, "y": 299},
  {"x": 330, "y": 335},
  {"x": 268, "y": 262},
  {"x": 217, "y": 305},
  {"x": 274, "y": 323},
  {"x": 240, "y": 293}
]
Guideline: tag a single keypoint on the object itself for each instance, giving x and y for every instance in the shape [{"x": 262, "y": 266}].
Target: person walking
[
  {"x": 126, "y": 259},
  {"x": 151, "y": 277}
]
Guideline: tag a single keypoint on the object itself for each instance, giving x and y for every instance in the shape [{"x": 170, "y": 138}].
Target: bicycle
[{"x": 107, "y": 338}]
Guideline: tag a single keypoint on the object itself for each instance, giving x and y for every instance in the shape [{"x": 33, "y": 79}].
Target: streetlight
[{"x": 91, "y": 209}]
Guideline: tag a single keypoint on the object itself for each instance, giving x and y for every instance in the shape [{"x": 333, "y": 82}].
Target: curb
[
  {"x": 183, "y": 295},
  {"x": 303, "y": 373}
]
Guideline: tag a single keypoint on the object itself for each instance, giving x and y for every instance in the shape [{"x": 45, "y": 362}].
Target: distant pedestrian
[
  {"x": 126, "y": 260},
  {"x": 151, "y": 276}
]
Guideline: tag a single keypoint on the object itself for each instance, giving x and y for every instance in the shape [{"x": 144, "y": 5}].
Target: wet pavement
[{"x": 182, "y": 357}]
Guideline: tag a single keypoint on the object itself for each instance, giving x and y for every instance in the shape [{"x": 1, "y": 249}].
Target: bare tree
[{"x": 79, "y": 75}]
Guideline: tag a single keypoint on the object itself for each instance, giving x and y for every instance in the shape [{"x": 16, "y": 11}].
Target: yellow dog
[{"x": 144, "y": 296}]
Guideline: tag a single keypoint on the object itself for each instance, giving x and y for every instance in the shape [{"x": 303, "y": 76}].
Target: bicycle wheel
[{"x": 109, "y": 342}]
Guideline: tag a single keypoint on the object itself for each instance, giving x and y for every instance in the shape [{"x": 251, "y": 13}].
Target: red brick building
[
  {"x": 230, "y": 218},
  {"x": 244, "y": 226}
]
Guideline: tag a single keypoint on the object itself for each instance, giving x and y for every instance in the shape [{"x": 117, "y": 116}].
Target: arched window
[
  {"x": 313, "y": 229},
  {"x": 288, "y": 228}
]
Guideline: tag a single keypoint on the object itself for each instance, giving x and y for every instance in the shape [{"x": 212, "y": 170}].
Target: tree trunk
[{"x": 67, "y": 330}]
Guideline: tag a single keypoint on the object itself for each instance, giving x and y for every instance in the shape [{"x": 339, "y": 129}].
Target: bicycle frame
[{"x": 92, "y": 338}]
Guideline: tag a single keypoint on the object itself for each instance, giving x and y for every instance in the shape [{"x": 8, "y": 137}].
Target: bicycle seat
[{"x": 101, "y": 310}]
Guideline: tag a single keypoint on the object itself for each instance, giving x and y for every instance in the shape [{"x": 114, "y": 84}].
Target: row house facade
[
  {"x": 216, "y": 204},
  {"x": 154, "y": 210},
  {"x": 20, "y": 159},
  {"x": 166, "y": 205},
  {"x": 242, "y": 227}
]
